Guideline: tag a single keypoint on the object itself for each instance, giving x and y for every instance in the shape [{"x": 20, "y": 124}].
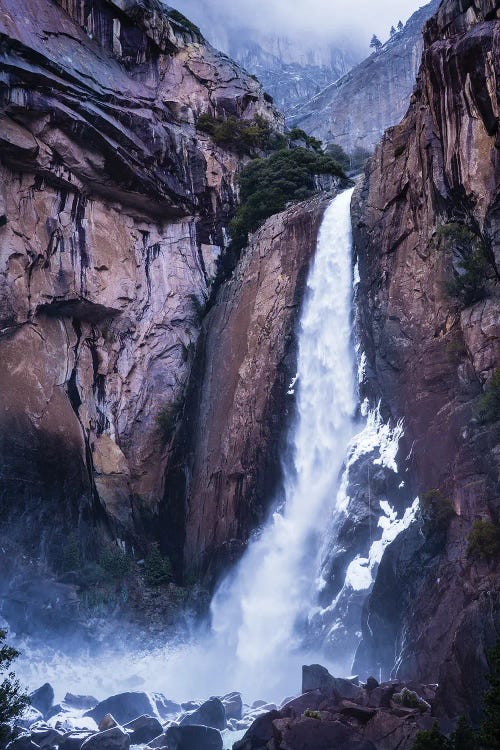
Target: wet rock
[
  {"x": 124, "y": 707},
  {"x": 80, "y": 702},
  {"x": 310, "y": 700},
  {"x": 306, "y": 733},
  {"x": 43, "y": 698},
  {"x": 107, "y": 722},
  {"x": 316, "y": 677},
  {"x": 361, "y": 713},
  {"x": 30, "y": 716},
  {"x": 143, "y": 729},
  {"x": 23, "y": 742},
  {"x": 193, "y": 738},
  {"x": 74, "y": 740},
  {"x": 166, "y": 707},
  {"x": 46, "y": 736},
  {"x": 233, "y": 704},
  {"x": 111, "y": 739},
  {"x": 259, "y": 733},
  {"x": 210, "y": 714}
]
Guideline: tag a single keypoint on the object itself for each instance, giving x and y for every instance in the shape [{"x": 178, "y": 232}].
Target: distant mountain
[
  {"x": 291, "y": 68},
  {"x": 355, "y": 110}
]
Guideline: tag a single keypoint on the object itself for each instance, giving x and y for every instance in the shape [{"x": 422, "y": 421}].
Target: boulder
[
  {"x": 107, "y": 722},
  {"x": 233, "y": 704},
  {"x": 29, "y": 717},
  {"x": 380, "y": 697},
  {"x": 305, "y": 733},
  {"x": 143, "y": 729},
  {"x": 124, "y": 707},
  {"x": 166, "y": 707},
  {"x": 193, "y": 737},
  {"x": 259, "y": 733},
  {"x": 210, "y": 714},
  {"x": 81, "y": 702},
  {"x": 74, "y": 740},
  {"x": 308, "y": 701},
  {"x": 45, "y": 736},
  {"x": 43, "y": 698},
  {"x": 111, "y": 739},
  {"x": 316, "y": 677},
  {"x": 23, "y": 742},
  {"x": 361, "y": 713},
  {"x": 371, "y": 683},
  {"x": 160, "y": 741}
]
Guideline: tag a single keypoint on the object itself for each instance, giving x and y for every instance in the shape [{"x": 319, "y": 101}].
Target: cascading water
[
  {"x": 267, "y": 610},
  {"x": 258, "y": 609}
]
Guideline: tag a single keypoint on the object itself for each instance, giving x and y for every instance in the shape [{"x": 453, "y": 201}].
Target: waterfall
[
  {"x": 267, "y": 609},
  {"x": 257, "y": 610}
]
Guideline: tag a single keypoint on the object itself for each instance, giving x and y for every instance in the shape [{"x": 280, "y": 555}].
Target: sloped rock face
[
  {"x": 355, "y": 110},
  {"x": 235, "y": 418},
  {"x": 434, "y": 613},
  {"x": 112, "y": 212}
]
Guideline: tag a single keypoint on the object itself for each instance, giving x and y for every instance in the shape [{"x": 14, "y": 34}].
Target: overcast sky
[{"x": 324, "y": 18}]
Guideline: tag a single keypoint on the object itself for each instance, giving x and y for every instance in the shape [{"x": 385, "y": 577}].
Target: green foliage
[
  {"x": 437, "y": 511},
  {"x": 181, "y": 19},
  {"x": 167, "y": 418},
  {"x": 484, "y": 540},
  {"x": 115, "y": 562},
  {"x": 340, "y": 156},
  {"x": 71, "y": 554},
  {"x": 199, "y": 306},
  {"x": 431, "y": 739},
  {"x": 267, "y": 185},
  {"x": 297, "y": 134},
  {"x": 488, "y": 408},
  {"x": 310, "y": 714},
  {"x": 471, "y": 265},
  {"x": 490, "y": 728},
  {"x": 13, "y": 700},
  {"x": 410, "y": 699},
  {"x": 244, "y": 137},
  {"x": 157, "y": 569},
  {"x": 463, "y": 737}
]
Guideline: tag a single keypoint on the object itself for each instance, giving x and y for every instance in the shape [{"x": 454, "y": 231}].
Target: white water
[{"x": 254, "y": 645}]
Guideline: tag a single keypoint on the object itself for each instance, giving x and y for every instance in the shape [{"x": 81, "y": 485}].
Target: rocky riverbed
[{"x": 330, "y": 712}]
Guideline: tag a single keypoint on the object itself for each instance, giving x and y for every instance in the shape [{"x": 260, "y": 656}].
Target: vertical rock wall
[{"x": 434, "y": 611}]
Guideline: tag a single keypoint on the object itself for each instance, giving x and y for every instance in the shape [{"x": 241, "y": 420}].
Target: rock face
[
  {"x": 231, "y": 441},
  {"x": 291, "y": 65},
  {"x": 435, "y": 611},
  {"x": 355, "y": 110},
  {"x": 112, "y": 213}
]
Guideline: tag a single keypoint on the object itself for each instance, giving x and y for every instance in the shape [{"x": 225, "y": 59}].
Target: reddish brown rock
[
  {"x": 112, "y": 211},
  {"x": 227, "y": 463},
  {"x": 433, "y": 609}
]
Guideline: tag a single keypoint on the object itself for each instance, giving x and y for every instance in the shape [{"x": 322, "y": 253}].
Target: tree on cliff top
[
  {"x": 13, "y": 700},
  {"x": 375, "y": 43}
]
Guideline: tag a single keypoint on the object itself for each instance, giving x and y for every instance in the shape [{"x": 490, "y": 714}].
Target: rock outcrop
[
  {"x": 435, "y": 609},
  {"x": 113, "y": 210},
  {"x": 355, "y": 110},
  {"x": 226, "y": 466}
]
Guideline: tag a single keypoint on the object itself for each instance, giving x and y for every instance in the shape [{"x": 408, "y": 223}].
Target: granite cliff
[
  {"x": 355, "y": 110},
  {"x": 113, "y": 212},
  {"x": 427, "y": 209}
]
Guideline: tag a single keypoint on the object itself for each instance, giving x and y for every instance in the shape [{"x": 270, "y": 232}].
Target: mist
[{"x": 322, "y": 19}]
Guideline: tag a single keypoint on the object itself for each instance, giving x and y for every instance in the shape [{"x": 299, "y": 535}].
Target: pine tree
[
  {"x": 375, "y": 42},
  {"x": 464, "y": 737},
  {"x": 12, "y": 700},
  {"x": 393, "y": 31},
  {"x": 431, "y": 739},
  {"x": 400, "y": 26},
  {"x": 490, "y": 728}
]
